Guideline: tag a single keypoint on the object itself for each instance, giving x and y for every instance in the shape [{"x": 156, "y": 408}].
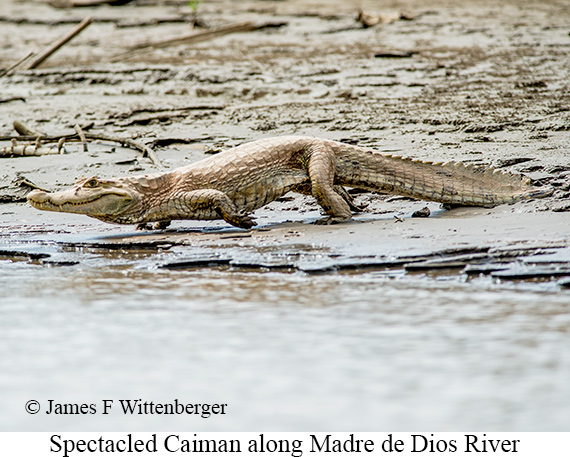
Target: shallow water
[{"x": 285, "y": 351}]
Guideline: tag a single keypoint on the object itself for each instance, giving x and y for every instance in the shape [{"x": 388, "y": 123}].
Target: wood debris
[
  {"x": 33, "y": 60},
  {"x": 29, "y": 134},
  {"x": 198, "y": 37},
  {"x": 86, "y": 3},
  {"x": 17, "y": 190},
  {"x": 11, "y": 99},
  {"x": 370, "y": 20},
  {"x": 424, "y": 212},
  {"x": 35, "y": 149}
]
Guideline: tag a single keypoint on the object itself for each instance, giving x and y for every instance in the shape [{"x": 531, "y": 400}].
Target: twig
[
  {"x": 46, "y": 139},
  {"x": 38, "y": 60},
  {"x": 84, "y": 3},
  {"x": 120, "y": 22},
  {"x": 199, "y": 37},
  {"x": 25, "y": 130},
  {"x": 129, "y": 143},
  {"x": 60, "y": 144},
  {"x": 159, "y": 109},
  {"x": 147, "y": 152},
  {"x": 12, "y": 99},
  {"x": 81, "y": 135},
  {"x": 35, "y": 149},
  {"x": 370, "y": 20},
  {"x": 16, "y": 64}
]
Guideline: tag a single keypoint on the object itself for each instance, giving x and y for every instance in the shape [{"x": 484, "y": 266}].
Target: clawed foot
[
  {"x": 244, "y": 221},
  {"x": 237, "y": 218},
  {"x": 349, "y": 199},
  {"x": 161, "y": 225},
  {"x": 357, "y": 208}
]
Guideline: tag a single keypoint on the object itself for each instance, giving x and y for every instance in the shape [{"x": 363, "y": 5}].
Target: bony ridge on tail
[{"x": 232, "y": 184}]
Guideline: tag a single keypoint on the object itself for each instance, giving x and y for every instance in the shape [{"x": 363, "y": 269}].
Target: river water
[{"x": 284, "y": 350}]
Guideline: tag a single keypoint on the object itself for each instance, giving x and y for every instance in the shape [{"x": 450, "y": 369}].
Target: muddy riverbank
[{"x": 455, "y": 321}]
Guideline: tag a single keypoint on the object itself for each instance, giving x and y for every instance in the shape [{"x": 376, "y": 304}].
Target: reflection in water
[{"x": 286, "y": 351}]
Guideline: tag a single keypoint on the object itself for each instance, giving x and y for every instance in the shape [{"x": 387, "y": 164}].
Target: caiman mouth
[{"x": 42, "y": 200}]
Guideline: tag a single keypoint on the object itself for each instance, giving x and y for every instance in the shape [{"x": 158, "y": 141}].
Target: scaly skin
[{"x": 232, "y": 184}]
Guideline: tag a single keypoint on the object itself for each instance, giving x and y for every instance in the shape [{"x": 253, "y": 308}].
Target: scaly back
[{"x": 450, "y": 183}]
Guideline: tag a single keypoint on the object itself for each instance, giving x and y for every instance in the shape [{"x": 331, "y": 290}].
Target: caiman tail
[{"x": 452, "y": 183}]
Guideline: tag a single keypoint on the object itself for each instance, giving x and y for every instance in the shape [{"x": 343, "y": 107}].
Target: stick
[
  {"x": 15, "y": 150},
  {"x": 16, "y": 64},
  {"x": 147, "y": 152},
  {"x": 200, "y": 36},
  {"x": 25, "y": 130},
  {"x": 12, "y": 99},
  {"x": 81, "y": 135},
  {"x": 129, "y": 143},
  {"x": 83, "y": 3},
  {"x": 58, "y": 44}
]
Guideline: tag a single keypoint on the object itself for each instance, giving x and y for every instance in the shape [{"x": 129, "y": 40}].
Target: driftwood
[
  {"x": 128, "y": 143},
  {"x": 16, "y": 64},
  {"x": 11, "y": 99},
  {"x": 35, "y": 149},
  {"x": 85, "y": 3},
  {"x": 370, "y": 20},
  {"x": 39, "y": 59},
  {"x": 17, "y": 190},
  {"x": 199, "y": 37},
  {"x": 80, "y": 135},
  {"x": 23, "y": 129},
  {"x": 33, "y": 60},
  {"x": 119, "y": 22},
  {"x": 395, "y": 54}
]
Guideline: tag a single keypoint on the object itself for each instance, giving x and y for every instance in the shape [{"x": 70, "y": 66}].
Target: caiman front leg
[{"x": 190, "y": 204}]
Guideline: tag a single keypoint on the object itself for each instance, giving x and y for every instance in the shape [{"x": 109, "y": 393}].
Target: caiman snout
[{"x": 37, "y": 197}]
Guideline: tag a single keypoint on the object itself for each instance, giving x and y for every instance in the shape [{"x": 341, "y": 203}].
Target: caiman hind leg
[
  {"x": 321, "y": 173},
  {"x": 191, "y": 204}
]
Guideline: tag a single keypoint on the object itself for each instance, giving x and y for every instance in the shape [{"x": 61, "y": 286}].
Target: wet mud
[{"x": 475, "y": 82}]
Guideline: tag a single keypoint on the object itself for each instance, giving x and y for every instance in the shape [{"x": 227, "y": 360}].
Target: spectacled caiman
[{"x": 235, "y": 183}]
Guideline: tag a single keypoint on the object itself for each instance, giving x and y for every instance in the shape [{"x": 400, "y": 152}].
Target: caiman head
[{"x": 109, "y": 200}]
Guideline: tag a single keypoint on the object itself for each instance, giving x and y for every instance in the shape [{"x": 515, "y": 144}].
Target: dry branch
[
  {"x": 12, "y": 99},
  {"x": 200, "y": 36},
  {"x": 26, "y": 130},
  {"x": 128, "y": 143},
  {"x": 85, "y": 3},
  {"x": 29, "y": 134},
  {"x": 81, "y": 135},
  {"x": 39, "y": 59},
  {"x": 16, "y": 64},
  {"x": 370, "y": 20},
  {"x": 35, "y": 149}
]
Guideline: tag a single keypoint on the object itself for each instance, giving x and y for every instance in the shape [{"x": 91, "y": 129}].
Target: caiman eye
[{"x": 91, "y": 183}]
